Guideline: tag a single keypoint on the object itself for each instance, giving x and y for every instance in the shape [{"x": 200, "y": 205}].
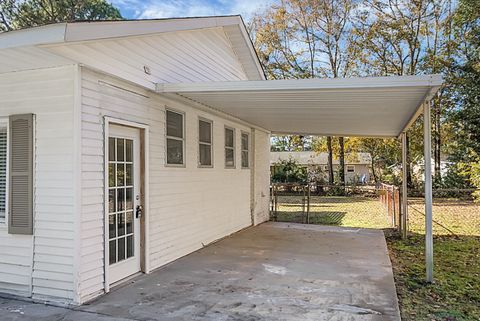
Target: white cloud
[
  {"x": 149, "y": 9},
  {"x": 247, "y": 7},
  {"x": 168, "y": 9}
]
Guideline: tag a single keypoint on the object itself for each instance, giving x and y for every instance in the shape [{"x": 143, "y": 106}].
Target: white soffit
[
  {"x": 370, "y": 106},
  {"x": 98, "y": 31}
]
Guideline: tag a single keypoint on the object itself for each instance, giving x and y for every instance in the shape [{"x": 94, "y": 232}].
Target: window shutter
[{"x": 20, "y": 188}]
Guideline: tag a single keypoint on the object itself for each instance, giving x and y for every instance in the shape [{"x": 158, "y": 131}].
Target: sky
[{"x": 150, "y": 9}]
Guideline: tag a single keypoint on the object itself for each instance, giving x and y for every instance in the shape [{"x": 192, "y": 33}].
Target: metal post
[
  {"x": 428, "y": 191},
  {"x": 404, "y": 187}
]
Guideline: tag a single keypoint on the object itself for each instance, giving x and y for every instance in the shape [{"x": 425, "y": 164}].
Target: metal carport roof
[{"x": 368, "y": 106}]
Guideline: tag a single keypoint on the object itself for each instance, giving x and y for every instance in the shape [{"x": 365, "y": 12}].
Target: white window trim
[
  {"x": 232, "y": 148},
  {"x": 245, "y": 150},
  {"x": 183, "y": 139},
  {"x": 3, "y": 220},
  {"x": 353, "y": 166},
  {"x": 204, "y": 143}
]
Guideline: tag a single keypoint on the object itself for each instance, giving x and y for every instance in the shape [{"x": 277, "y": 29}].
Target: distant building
[{"x": 357, "y": 166}]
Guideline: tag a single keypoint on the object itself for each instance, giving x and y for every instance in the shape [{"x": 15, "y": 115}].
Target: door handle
[{"x": 139, "y": 211}]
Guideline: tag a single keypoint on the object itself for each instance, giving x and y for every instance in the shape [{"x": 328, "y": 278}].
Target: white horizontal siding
[
  {"x": 15, "y": 263},
  {"x": 47, "y": 93},
  {"x": 261, "y": 150},
  {"x": 189, "y": 207}
]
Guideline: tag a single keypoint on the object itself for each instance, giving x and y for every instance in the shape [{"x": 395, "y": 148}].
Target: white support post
[
  {"x": 428, "y": 191},
  {"x": 404, "y": 221}
]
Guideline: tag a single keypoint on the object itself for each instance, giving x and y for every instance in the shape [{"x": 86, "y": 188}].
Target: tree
[
  {"x": 465, "y": 93},
  {"x": 17, "y": 14},
  {"x": 383, "y": 152},
  {"x": 307, "y": 39},
  {"x": 290, "y": 143},
  {"x": 466, "y": 75},
  {"x": 403, "y": 37},
  {"x": 330, "y": 160},
  {"x": 341, "y": 168}
]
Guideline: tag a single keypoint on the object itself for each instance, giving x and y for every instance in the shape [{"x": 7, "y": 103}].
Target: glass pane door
[{"x": 120, "y": 199}]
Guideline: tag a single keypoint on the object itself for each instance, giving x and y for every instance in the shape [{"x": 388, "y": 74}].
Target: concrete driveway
[{"x": 276, "y": 271}]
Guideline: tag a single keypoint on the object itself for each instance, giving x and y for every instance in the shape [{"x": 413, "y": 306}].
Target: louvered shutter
[{"x": 20, "y": 188}]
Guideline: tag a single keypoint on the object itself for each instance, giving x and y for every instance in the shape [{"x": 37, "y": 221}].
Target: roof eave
[
  {"x": 49, "y": 34},
  {"x": 431, "y": 93},
  {"x": 433, "y": 81},
  {"x": 98, "y": 30}
]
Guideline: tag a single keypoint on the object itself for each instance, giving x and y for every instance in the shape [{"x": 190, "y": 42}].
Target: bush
[{"x": 289, "y": 171}]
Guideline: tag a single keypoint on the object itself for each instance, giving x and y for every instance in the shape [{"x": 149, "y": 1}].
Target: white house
[
  {"x": 76, "y": 99},
  {"x": 125, "y": 145},
  {"x": 357, "y": 166}
]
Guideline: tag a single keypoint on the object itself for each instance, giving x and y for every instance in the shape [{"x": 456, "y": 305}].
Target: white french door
[{"x": 124, "y": 208}]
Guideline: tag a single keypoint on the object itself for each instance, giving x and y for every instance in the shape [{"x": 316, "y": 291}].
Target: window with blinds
[
  {"x": 175, "y": 138},
  {"x": 205, "y": 143},
  {"x": 3, "y": 171},
  {"x": 229, "y": 147},
  {"x": 245, "y": 150}
]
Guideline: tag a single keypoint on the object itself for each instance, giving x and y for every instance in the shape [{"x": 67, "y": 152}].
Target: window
[
  {"x": 229, "y": 147},
  {"x": 350, "y": 169},
  {"x": 204, "y": 143},
  {"x": 245, "y": 150},
  {"x": 175, "y": 138},
  {"x": 3, "y": 170}
]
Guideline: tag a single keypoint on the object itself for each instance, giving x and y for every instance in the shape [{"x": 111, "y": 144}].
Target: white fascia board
[
  {"x": 86, "y": 31},
  {"x": 97, "y": 30},
  {"x": 49, "y": 34},
  {"x": 320, "y": 133},
  {"x": 303, "y": 84},
  {"x": 253, "y": 52},
  {"x": 429, "y": 95}
]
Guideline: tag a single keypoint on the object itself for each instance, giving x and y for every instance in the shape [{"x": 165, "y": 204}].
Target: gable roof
[{"x": 81, "y": 32}]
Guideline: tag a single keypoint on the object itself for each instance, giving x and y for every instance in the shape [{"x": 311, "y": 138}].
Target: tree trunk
[
  {"x": 374, "y": 173},
  {"x": 409, "y": 165},
  {"x": 341, "y": 169},
  {"x": 437, "y": 139},
  {"x": 330, "y": 160}
]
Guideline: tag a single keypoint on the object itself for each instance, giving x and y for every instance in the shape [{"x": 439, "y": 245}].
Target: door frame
[{"x": 144, "y": 188}]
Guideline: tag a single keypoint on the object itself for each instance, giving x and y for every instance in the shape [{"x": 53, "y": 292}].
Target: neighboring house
[
  {"x": 418, "y": 168},
  {"x": 125, "y": 145},
  {"x": 357, "y": 166}
]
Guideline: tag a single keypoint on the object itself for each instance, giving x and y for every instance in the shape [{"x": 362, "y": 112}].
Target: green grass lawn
[
  {"x": 455, "y": 295},
  {"x": 335, "y": 210}
]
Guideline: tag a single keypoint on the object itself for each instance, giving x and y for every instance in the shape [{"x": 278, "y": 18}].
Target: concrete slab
[{"x": 276, "y": 271}]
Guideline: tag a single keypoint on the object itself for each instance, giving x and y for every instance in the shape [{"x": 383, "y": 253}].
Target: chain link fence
[
  {"x": 356, "y": 206},
  {"x": 455, "y": 212}
]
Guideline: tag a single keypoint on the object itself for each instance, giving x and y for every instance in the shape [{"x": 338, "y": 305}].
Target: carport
[
  {"x": 383, "y": 107},
  {"x": 274, "y": 271}
]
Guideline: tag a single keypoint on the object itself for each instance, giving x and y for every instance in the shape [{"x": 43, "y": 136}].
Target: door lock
[{"x": 139, "y": 211}]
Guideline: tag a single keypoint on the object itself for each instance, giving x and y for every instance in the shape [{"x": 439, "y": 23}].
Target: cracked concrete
[{"x": 276, "y": 271}]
